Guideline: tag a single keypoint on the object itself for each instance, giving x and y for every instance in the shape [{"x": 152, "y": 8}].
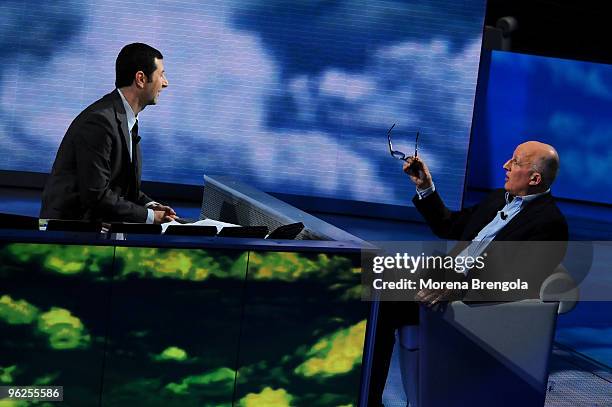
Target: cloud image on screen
[{"x": 290, "y": 97}]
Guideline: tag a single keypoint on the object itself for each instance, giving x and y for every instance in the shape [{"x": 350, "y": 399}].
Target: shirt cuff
[
  {"x": 424, "y": 193},
  {"x": 150, "y": 216}
]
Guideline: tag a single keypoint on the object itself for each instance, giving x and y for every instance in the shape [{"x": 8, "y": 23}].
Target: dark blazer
[
  {"x": 93, "y": 177},
  {"x": 538, "y": 233}
]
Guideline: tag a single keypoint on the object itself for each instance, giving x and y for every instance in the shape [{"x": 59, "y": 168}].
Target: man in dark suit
[
  {"x": 523, "y": 211},
  {"x": 96, "y": 173}
]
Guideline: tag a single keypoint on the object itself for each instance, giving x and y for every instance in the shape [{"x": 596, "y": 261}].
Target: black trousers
[{"x": 391, "y": 316}]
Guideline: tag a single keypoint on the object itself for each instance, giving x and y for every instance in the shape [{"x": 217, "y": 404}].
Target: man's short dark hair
[{"x": 133, "y": 58}]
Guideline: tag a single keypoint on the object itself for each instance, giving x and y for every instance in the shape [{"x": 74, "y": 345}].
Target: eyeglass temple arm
[{"x": 389, "y": 139}]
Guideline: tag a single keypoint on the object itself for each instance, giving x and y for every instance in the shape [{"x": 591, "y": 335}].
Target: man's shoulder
[
  {"x": 102, "y": 109},
  {"x": 101, "y": 114},
  {"x": 548, "y": 204},
  {"x": 553, "y": 211},
  {"x": 105, "y": 105},
  {"x": 546, "y": 215}
]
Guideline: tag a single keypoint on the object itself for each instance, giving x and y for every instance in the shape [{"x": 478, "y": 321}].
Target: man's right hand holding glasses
[
  {"x": 418, "y": 172},
  {"x": 413, "y": 165}
]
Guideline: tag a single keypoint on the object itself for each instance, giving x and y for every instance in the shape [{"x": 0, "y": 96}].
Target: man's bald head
[
  {"x": 545, "y": 160},
  {"x": 532, "y": 168}
]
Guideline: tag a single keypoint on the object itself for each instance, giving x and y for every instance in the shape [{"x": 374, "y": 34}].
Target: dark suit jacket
[
  {"x": 93, "y": 177},
  {"x": 538, "y": 236}
]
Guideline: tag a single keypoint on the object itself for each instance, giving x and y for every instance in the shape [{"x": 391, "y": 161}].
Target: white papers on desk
[{"x": 204, "y": 222}]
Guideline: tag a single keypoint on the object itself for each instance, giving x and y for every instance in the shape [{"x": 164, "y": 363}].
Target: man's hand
[
  {"x": 168, "y": 213},
  {"x": 161, "y": 217},
  {"x": 432, "y": 297},
  {"x": 418, "y": 172}
]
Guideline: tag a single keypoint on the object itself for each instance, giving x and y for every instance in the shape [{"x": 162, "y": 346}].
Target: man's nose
[
  {"x": 165, "y": 83},
  {"x": 507, "y": 165}
]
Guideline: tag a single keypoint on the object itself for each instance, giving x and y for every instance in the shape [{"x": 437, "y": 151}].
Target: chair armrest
[{"x": 561, "y": 287}]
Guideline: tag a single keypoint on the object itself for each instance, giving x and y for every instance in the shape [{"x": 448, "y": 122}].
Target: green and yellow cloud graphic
[
  {"x": 293, "y": 266},
  {"x": 17, "y": 312},
  {"x": 334, "y": 354},
  {"x": 194, "y": 265},
  {"x": 218, "y": 381},
  {"x": 63, "y": 259},
  {"x": 6, "y": 374},
  {"x": 268, "y": 397},
  {"x": 65, "y": 331},
  {"x": 172, "y": 353},
  {"x": 14, "y": 403},
  {"x": 280, "y": 266}
]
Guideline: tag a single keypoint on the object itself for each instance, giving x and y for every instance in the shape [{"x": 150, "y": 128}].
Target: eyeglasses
[
  {"x": 398, "y": 154},
  {"x": 514, "y": 162}
]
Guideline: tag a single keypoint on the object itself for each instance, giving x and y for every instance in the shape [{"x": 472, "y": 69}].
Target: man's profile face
[
  {"x": 519, "y": 170},
  {"x": 155, "y": 83}
]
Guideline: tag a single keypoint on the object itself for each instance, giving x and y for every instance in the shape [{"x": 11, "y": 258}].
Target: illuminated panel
[
  {"x": 562, "y": 102},
  {"x": 303, "y": 332},
  {"x": 54, "y": 317},
  {"x": 175, "y": 323},
  {"x": 182, "y": 327},
  {"x": 290, "y": 97}
]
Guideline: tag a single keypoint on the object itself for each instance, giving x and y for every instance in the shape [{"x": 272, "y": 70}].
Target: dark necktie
[
  {"x": 135, "y": 141},
  {"x": 135, "y": 137}
]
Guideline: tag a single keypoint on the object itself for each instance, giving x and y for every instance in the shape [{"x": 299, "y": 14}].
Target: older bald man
[
  {"x": 531, "y": 170},
  {"x": 524, "y": 210}
]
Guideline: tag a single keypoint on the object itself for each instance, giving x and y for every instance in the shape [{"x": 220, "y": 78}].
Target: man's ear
[
  {"x": 535, "y": 179},
  {"x": 140, "y": 79}
]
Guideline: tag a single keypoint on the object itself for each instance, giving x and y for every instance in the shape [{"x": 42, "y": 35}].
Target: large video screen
[
  {"x": 562, "y": 102},
  {"x": 291, "y": 97},
  {"x": 146, "y": 326}
]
